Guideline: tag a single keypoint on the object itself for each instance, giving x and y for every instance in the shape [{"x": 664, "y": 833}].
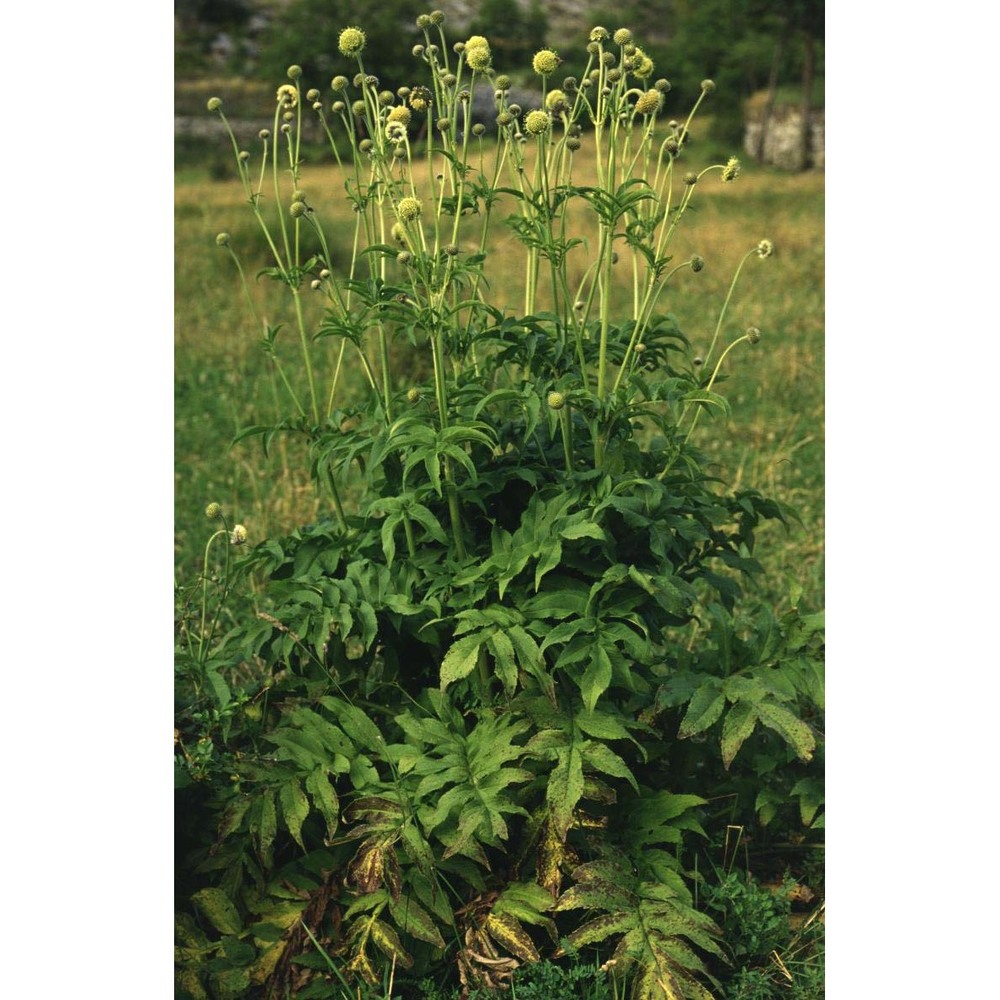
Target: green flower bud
[
  {"x": 437, "y": 17},
  {"x": 708, "y": 86},
  {"x": 222, "y": 240},
  {"x": 213, "y": 511},
  {"x": 366, "y": 145},
  {"x": 622, "y": 36},
  {"x": 294, "y": 72},
  {"x": 264, "y": 133},
  {"x": 649, "y": 103},
  {"x": 573, "y": 143},
  {"x": 599, "y": 34},
  {"x": 690, "y": 178},
  {"x": 404, "y": 257},
  {"x": 555, "y": 400},
  {"x": 697, "y": 263},
  {"x": 413, "y": 395},
  {"x": 753, "y": 334},
  {"x": 315, "y": 284},
  {"x": 479, "y": 129},
  {"x": 731, "y": 170},
  {"x": 297, "y": 209},
  {"x": 214, "y": 103},
  {"x": 502, "y": 82},
  {"x": 424, "y": 21},
  {"x": 339, "y": 83},
  {"x": 312, "y": 94},
  {"x": 451, "y": 250},
  {"x": 663, "y": 86}
]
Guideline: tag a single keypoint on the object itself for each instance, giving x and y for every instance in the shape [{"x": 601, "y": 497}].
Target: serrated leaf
[
  {"x": 565, "y": 787},
  {"x": 219, "y": 910},
  {"x": 294, "y": 808},
  {"x": 325, "y": 799},
  {"x": 600, "y": 928},
  {"x": 738, "y": 725},
  {"x": 507, "y": 931},
  {"x": 461, "y": 658},
  {"x": 503, "y": 654},
  {"x": 789, "y": 727},
  {"x": 413, "y": 919},
  {"x": 703, "y": 710},
  {"x": 596, "y": 678},
  {"x": 388, "y": 941}
]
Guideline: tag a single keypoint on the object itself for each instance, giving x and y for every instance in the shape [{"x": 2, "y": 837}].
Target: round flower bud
[
  {"x": 366, "y": 145},
  {"x": 545, "y": 62},
  {"x": 264, "y": 133},
  {"x": 554, "y": 98},
  {"x": 451, "y": 250},
  {"x": 708, "y": 86},
  {"x": 400, "y": 114},
  {"x": 537, "y": 122},
  {"x": 502, "y": 82},
  {"x": 731, "y": 170},
  {"x": 570, "y": 84},
  {"x": 458, "y": 48},
  {"x": 690, "y": 178},
  {"x": 753, "y": 334},
  {"x": 243, "y": 156},
  {"x": 622, "y": 36},
  {"x": 238, "y": 535},
  {"x": 662, "y": 85},
  {"x": 417, "y": 50},
  {"x": 339, "y": 83},
  {"x": 214, "y": 103},
  {"x": 424, "y": 21},
  {"x": 556, "y": 400},
  {"x": 294, "y": 72},
  {"x": 285, "y": 130},
  {"x": 697, "y": 263},
  {"x": 593, "y": 48},
  {"x": 514, "y": 109},
  {"x": 573, "y": 144},
  {"x": 408, "y": 210},
  {"x": 479, "y": 129},
  {"x": 312, "y": 94},
  {"x": 608, "y": 59},
  {"x": 649, "y": 103},
  {"x": 297, "y": 209},
  {"x": 413, "y": 395},
  {"x": 338, "y": 107},
  {"x": 386, "y": 98},
  {"x": 288, "y": 116},
  {"x": 351, "y": 41},
  {"x": 614, "y": 75},
  {"x": 640, "y": 348},
  {"x": 317, "y": 106},
  {"x": 404, "y": 257},
  {"x": 442, "y": 124},
  {"x": 222, "y": 240},
  {"x": 449, "y": 79},
  {"x": 358, "y": 109},
  {"x": 765, "y": 248},
  {"x": 287, "y": 96},
  {"x": 324, "y": 273},
  {"x": 504, "y": 119},
  {"x": 432, "y": 50},
  {"x": 402, "y": 93},
  {"x": 437, "y": 17},
  {"x": 697, "y": 362},
  {"x": 213, "y": 511},
  {"x": 599, "y": 34},
  {"x": 315, "y": 284}
]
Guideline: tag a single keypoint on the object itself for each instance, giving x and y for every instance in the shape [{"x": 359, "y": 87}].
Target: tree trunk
[{"x": 772, "y": 87}]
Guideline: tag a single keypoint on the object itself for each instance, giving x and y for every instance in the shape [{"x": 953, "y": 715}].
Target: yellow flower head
[
  {"x": 288, "y": 96},
  {"x": 545, "y": 63},
  {"x": 351, "y": 41},
  {"x": 537, "y": 122},
  {"x": 731, "y": 170},
  {"x": 408, "y": 210},
  {"x": 649, "y": 103},
  {"x": 477, "y": 54},
  {"x": 554, "y": 98}
]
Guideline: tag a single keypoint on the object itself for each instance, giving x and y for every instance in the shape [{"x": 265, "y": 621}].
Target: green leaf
[
  {"x": 565, "y": 788},
  {"x": 703, "y": 710},
  {"x": 219, "y": 910},
  {"x": 460, "y": 660},
  {"x": 503, "y": 653},
  {"x": 294, "y": 809},
  {"x": 789, "y": 727},
  {"x": 738, "y": 725},
  {"x": 413, "y": 919},
  {"x": 325, "y": 799},
  {"x": 596, "y": 677}
]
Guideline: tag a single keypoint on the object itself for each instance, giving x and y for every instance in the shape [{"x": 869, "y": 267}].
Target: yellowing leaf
[
  {"x": 219, "y": 910},
  {"x": 508, "y": 932}
]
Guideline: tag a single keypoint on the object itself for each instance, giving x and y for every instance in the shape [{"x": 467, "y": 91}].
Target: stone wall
[{"x": 783, "y": 142}]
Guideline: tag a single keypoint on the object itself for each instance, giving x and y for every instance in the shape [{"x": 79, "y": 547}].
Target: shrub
[{"x": 448, "y": 734}]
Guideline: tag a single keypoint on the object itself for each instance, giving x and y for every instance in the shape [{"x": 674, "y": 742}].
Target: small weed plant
[{"x": 472, "y": 720}]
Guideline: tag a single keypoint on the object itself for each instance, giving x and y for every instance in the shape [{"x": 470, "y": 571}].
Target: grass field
[{"x": 773, "y": 441}]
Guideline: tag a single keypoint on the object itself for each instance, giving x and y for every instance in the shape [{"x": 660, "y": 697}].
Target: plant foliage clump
[{"x": 473, "y": 718}]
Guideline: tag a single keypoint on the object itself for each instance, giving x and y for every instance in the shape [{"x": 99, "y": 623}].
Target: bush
[{"x": 442, "y": 729}]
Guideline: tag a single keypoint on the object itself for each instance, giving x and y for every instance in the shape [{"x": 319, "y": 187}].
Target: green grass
[{"x": 772, "y": 441}]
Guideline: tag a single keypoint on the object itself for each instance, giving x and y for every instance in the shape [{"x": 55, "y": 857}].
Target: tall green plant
[{"x": 464, "y": 702}]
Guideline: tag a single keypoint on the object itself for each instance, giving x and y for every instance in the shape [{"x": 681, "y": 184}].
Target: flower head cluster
[
  {"x": 351, "y": 41},
  {"x": 420, "y": 98},
  {"x": 555, "y": 100},
  {"x": 546, "y": 62},
  {"x": 395, "y": 132},
  {"x": 765, "y": 248},
  {"x": 238, "y": 535},
  {"x": 408, "y": 210},
  {"x": 477, "y": 54},
  {"x": 213, "y": 511},
  {"x": 731, "y": 170}
]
